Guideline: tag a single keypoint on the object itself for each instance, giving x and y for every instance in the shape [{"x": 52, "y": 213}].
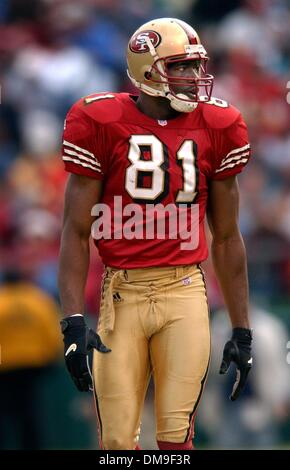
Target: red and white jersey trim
[
  {"x": 235, "y": 157},
  {"x": 82, "y": 157}
]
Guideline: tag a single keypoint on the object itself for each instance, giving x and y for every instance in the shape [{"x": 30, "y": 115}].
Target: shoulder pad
[
  {"x": 102, "y": 107},
  {"x": 218, "y": 114}
]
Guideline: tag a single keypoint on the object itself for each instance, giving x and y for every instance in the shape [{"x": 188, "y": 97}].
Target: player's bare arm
[
  {"x": 228, "y": 251},
  {"x": 229, "y": 259},
  {"x": 81, "y": 194}
]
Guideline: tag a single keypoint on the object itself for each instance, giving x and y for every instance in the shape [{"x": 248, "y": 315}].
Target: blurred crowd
[{"x": 52, "y": 52}]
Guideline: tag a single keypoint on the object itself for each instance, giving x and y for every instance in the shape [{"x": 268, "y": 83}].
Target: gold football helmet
[{"x": 154, "y": 47}]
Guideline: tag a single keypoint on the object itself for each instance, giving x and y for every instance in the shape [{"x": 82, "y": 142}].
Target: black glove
[
  {"x": 78, "y": 341},
  {"x": 238, "y": 350}
]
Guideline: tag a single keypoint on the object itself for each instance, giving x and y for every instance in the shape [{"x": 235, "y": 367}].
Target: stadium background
[{"x": 54, "y": 51}]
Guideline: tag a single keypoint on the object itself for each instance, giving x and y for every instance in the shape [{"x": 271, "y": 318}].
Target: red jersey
[{"x": 150, "y": 163}]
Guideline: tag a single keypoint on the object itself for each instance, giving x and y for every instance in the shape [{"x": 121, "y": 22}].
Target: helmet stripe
[{"x": 189, "y": 31}]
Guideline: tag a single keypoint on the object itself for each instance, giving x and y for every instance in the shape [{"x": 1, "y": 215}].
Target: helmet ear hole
[{"x": 148, "y": 75}]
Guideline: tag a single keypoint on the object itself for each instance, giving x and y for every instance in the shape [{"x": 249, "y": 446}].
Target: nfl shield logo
[{"x": 162, "y": 123}]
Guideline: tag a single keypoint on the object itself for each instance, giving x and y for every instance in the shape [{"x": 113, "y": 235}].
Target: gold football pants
[{"x": 155, "y": 320}]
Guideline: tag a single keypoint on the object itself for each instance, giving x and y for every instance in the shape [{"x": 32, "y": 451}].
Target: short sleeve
[
  {"x": 82, "y": 145},
  {"x": 232, "y": 150}
]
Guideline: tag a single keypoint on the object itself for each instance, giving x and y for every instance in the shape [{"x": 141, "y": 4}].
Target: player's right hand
[{"x": 79, "y": 340}]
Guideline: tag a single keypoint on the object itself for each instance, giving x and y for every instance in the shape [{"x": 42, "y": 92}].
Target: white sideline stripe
[
  {"x": 232, "y": 152},
  {"x": 81, "y": 157},
  {"x": 78, "y": 162},
  {"x": 245, "y": 154},
  {"x": 86, "y": 152},
  {"x": 231, "y": 165}
]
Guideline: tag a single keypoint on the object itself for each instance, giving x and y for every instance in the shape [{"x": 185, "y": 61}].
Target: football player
[{"x": 171, "y": 145}]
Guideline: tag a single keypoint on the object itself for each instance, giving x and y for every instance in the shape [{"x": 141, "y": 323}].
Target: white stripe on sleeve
[
  {"x": 78, "y": 162},
  {"x": 237, "y": 157},
  {"x": 233, "y": 152},
  {"x": 81, "y": 157},
  {"x": 231, "y": 165}
]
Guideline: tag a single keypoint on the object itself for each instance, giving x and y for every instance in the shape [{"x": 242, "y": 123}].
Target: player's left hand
[{"x": 238, "y": 350}]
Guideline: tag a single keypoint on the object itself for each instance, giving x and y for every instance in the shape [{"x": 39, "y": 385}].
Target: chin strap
[{"x": 179, "y": 104}]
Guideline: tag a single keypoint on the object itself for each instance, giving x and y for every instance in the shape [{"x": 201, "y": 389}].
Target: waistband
[{"x": 149, "y": 274}]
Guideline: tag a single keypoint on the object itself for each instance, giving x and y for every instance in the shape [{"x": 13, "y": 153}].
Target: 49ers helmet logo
[{"x": 138, "y": 42}]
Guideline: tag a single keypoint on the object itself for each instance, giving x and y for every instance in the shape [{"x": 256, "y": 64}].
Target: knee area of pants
[{"x": 118, "y": 443}]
